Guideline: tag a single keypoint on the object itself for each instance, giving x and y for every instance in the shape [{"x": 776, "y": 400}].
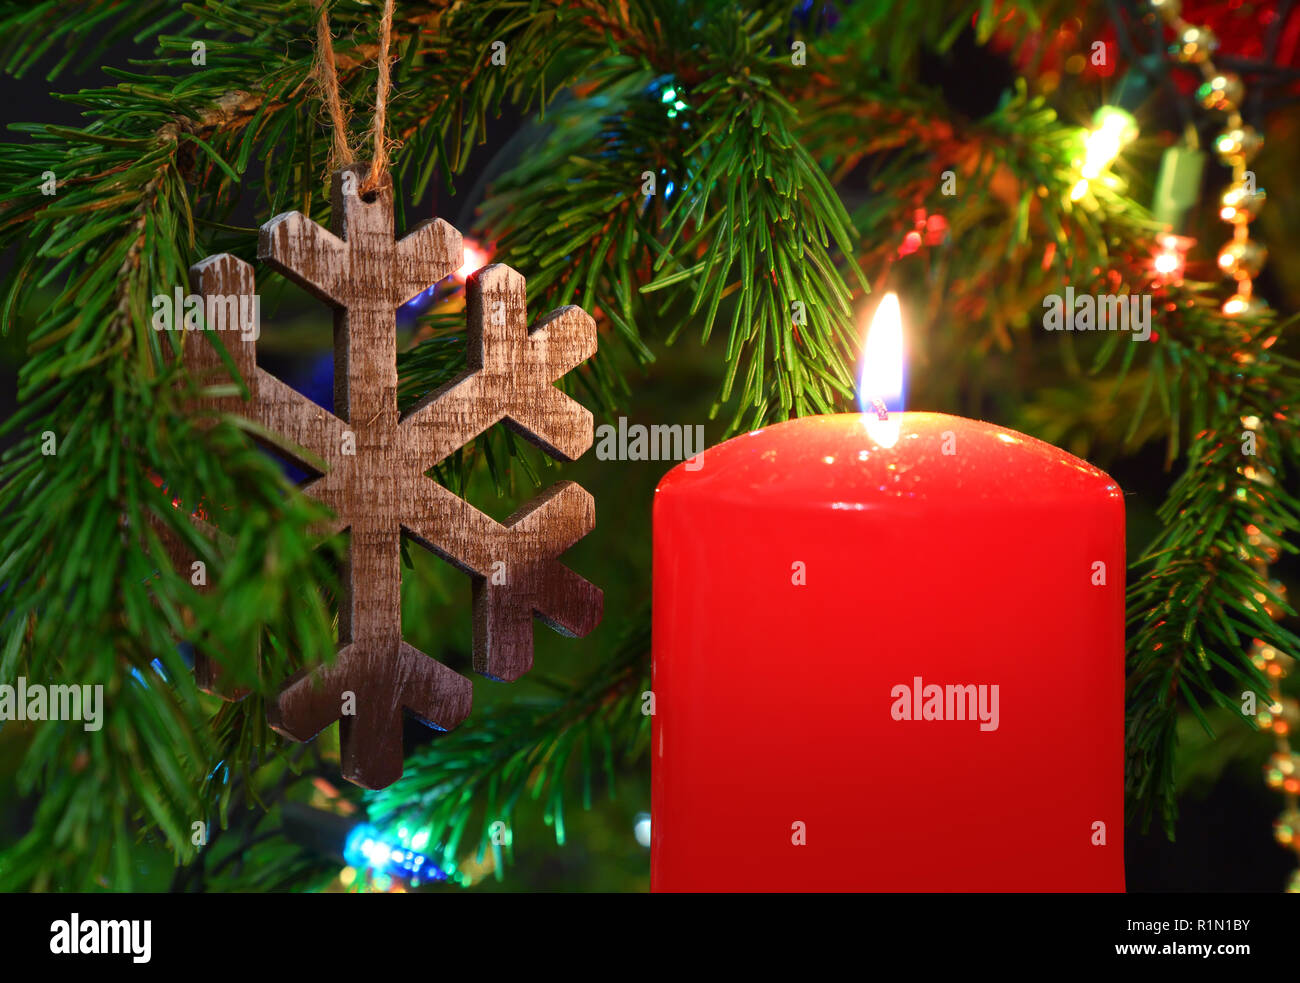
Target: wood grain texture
[{"x": 372, "y": 464}]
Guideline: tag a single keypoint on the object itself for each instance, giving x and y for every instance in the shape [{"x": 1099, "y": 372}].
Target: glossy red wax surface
[{"x": 773, "y": 700}]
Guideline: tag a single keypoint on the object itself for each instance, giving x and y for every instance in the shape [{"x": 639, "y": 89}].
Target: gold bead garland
[
  {"x": 1242, "y": 260},
  {"x": 1282, "y": 714}
]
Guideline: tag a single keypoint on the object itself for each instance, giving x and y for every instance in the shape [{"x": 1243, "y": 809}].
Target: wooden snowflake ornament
[{"x": 373, "y": 465}]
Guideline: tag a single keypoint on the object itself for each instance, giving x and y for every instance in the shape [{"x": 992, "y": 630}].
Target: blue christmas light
[
  {"x": 424, "y": 299},
  {"x": 157, "y": 666},
  {"x": 366, "y": 847}
]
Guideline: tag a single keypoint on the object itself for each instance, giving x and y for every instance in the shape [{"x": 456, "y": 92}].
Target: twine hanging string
[
  {"x": 327, "y": 76},
  {"x": 379, "y": 162},
  {"x": 326, "y": 73}
]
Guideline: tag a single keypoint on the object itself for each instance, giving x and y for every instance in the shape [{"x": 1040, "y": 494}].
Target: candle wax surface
[
  {"x": 805, "y": 576},
  {"x": 834, "y": 461}
]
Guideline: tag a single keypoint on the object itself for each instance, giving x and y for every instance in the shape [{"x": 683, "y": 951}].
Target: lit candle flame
[{"x": 880, "y": 377}]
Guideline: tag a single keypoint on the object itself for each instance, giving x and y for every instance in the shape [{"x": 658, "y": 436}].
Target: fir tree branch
[
  {"x": 1197, "y": 601},
  {"x": 756, "y": 224},
  {"x": 91, "y": 594},
  {"x": 550, "y": 750}
]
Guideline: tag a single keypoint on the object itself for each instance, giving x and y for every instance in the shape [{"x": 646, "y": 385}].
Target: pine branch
[
  {"x": 772, "y": 231},
  {"x": 86, "y": 29},
  {"x": 550, "y": 750},
  {"x": 1198, "y": 601},
  {"x": 91, "y": 593},
  {"x": 754, "y": 225}
]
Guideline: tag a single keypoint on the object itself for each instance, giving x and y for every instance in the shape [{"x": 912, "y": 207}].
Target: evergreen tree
[{"x": 686, "y": 171}]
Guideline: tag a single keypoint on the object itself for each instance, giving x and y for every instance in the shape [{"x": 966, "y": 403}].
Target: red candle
[{"x": 888, "y": 656}]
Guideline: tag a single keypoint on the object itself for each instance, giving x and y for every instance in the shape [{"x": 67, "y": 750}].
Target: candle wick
[{"x": 882, "y": 412}]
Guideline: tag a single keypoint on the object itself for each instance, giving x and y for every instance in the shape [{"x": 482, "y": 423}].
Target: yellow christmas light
[{"x": 1113, "y": 129}]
